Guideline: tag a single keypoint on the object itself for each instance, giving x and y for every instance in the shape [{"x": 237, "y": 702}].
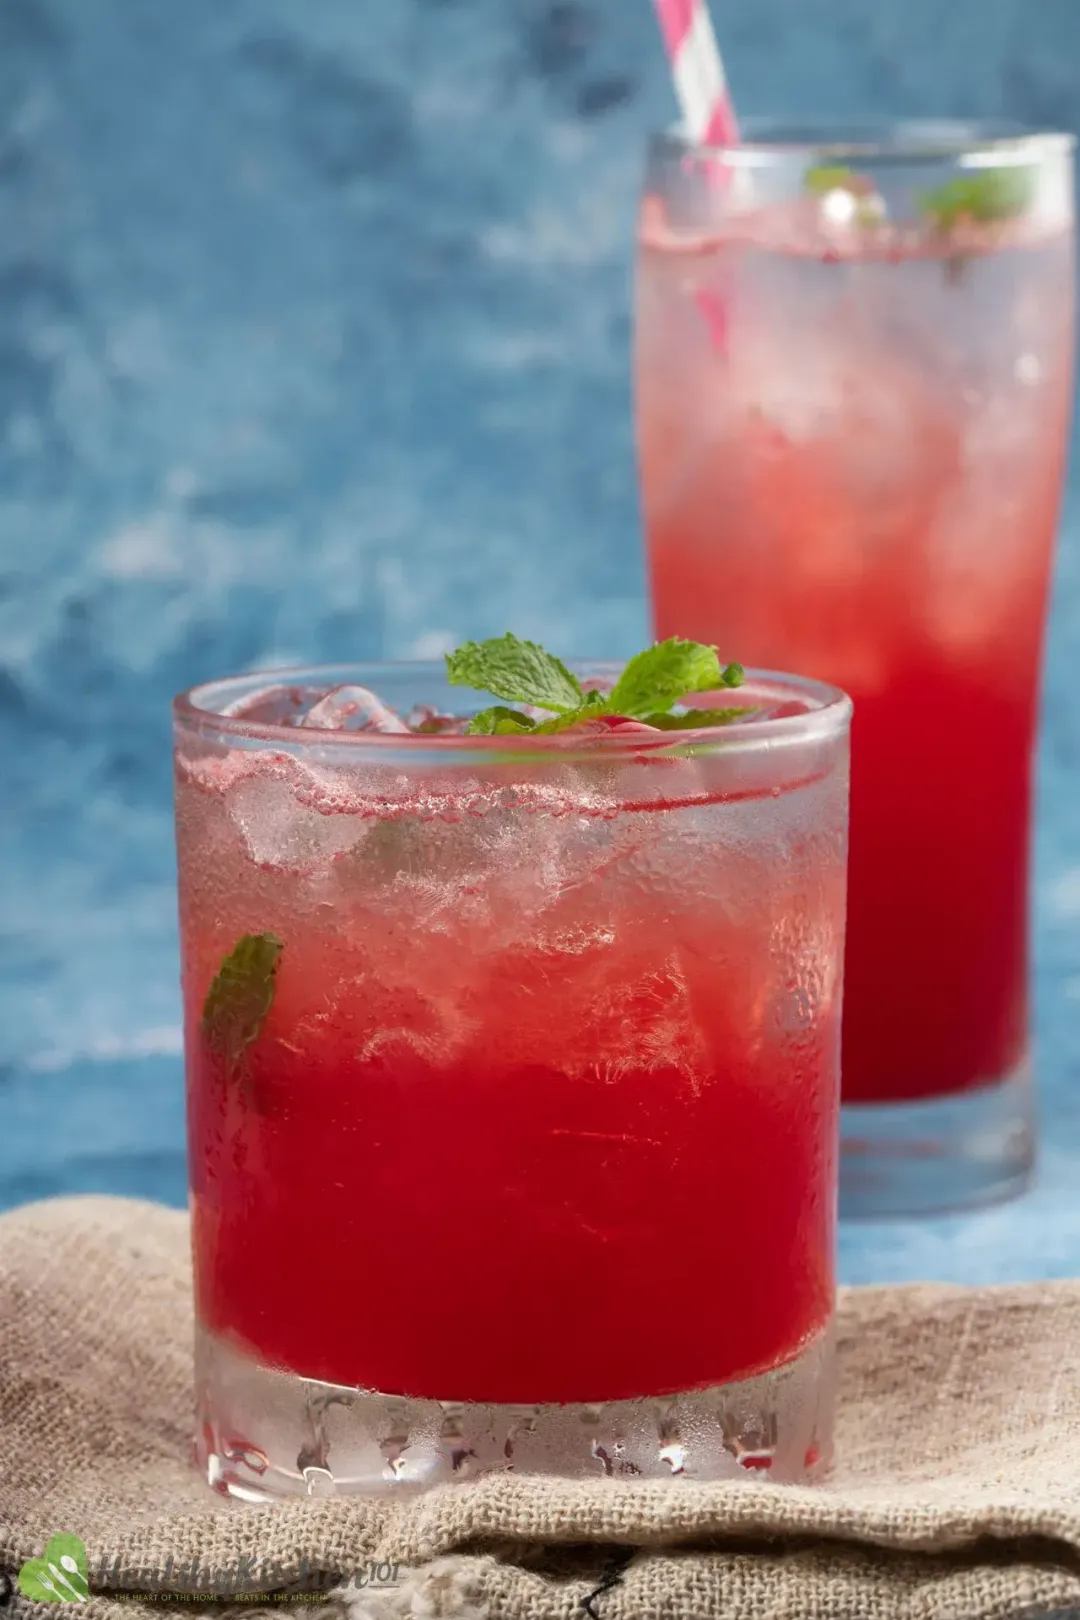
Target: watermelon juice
[{"x": 852, "y": 438}]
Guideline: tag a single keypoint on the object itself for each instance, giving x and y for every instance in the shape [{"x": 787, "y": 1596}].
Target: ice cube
[
  {"x": 752, "y": 714},
  {"x": 609, "y": 726},
  {"x": 430, "y": 722},
  {"x": 281, "y": 832},
  {"x": 272, "y": 705},
  {"x": 352, "y": 708}
]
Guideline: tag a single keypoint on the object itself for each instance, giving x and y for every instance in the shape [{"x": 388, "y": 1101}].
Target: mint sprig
[
  {"x": 825, "y": 177},
  {"x": 241, "y": 996},
  {"x": 822, "y": 179},
  {"x": 647, "y": 690},
  {"x": 654, "y": 680},
  {"x": 499, "y": 721},
  {"x": 519, "y": 671},
  {"x": 983, "y": 195}
]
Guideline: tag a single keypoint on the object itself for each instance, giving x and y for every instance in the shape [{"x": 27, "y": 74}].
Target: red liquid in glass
[
  {"x": 493, "y": 1153},
  {"x": 864, "y": 487}
]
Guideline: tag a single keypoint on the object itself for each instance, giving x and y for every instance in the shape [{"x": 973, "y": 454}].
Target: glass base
[
  {"x": 940, "y": 1155},
  {"x": 264, "y": 1434}
]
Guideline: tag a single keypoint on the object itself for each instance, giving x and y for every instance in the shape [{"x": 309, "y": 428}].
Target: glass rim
[
  {"x": 829, "y": 717},
  {"x": 774, "y": 142}
]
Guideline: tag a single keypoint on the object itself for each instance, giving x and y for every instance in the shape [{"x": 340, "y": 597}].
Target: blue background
[{"x": 314, "y": 332}]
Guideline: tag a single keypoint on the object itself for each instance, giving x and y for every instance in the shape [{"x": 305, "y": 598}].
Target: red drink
[
  {"x": 861, "y": 479},
  {"x": 548, "y": 1033}
]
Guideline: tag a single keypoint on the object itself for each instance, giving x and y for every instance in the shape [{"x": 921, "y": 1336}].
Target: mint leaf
[
  {"x": 696, "y": 717},
  {"x": 499, "y": 722},
  {"x": 650, "y": 685},
  {"x": 657, "y": 678},
  {"x": 565, "y": 722},
  {"x": 241, "y": 996},
  {"x": 983, "y": 195},
  {"x": 823, "y": 178},
  {"x": 519, "y": 671}
]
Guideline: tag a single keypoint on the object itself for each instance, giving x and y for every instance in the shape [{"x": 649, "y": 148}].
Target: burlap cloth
[{"x": 957, "y": 1493}]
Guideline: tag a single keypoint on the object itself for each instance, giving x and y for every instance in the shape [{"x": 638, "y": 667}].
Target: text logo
[{"x": 60, "y": 1576}]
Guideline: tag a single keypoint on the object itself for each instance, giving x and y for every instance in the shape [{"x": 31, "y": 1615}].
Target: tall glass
[
  {"x": 854, "y": 376},
  {"x": 513, "y": 1084}
]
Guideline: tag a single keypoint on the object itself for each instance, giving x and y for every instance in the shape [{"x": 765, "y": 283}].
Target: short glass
[
  {"x": 526, "y": 1156},
  {"x": 854, "y": 380}
]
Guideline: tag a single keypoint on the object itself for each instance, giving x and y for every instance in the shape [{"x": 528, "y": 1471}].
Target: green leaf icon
[{"x": 60, "y": 1576}]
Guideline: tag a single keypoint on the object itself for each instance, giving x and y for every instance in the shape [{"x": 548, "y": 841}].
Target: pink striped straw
[
  {"x": 702, "y": 92},
  {"x": 698, "y": 72}
]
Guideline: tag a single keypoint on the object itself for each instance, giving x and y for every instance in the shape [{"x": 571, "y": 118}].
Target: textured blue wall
[{"x": 313, "y": 344}]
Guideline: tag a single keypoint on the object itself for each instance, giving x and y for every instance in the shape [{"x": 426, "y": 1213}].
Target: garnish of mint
[
  {"x": 826, "y": 177},
  {"x": 648, "y": 689},
  {"x": 983, "y": 195},
  {"x": 823, "y": 179},
  {"x": 240, "y": 996}
]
